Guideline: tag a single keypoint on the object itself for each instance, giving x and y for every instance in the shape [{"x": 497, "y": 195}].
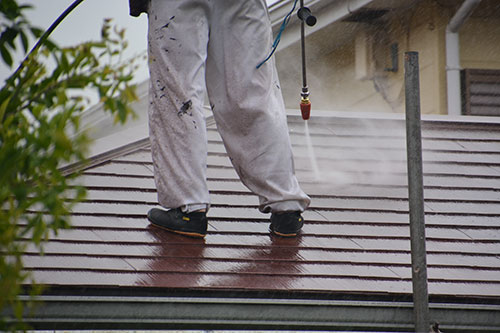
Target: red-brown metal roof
[{"x": 355, "y": 239}]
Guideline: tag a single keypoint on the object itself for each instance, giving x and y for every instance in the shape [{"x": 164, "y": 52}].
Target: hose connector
[
  {"x": 305, "y": 15},
  {"x": 305, "y": 103}
]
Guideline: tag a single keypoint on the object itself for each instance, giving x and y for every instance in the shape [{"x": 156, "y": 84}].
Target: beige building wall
[
  {"x": 331, "y": 82},
  {"x": 480, "y": 43},
  {"x": 352, "y": 76},
  {"x": 427, "y": 36}
]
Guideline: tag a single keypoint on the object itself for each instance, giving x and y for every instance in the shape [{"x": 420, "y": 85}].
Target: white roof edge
[
  {"x": 95, "y": 113},
  {"x": 119, "y": 139},
  {"x": 396, "y": 116}
]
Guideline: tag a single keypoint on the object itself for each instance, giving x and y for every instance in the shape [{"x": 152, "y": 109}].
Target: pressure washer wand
[{"x": 307, "y": 18}]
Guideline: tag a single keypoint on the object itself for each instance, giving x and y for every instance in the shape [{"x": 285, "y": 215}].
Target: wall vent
[{"x": 481, "y": 92}]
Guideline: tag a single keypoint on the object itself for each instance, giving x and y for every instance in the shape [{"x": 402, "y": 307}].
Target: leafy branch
[{"x": 40, "y": 108}]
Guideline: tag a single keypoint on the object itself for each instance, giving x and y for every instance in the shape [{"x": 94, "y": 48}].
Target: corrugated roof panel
[
  {"x": 73, "y": 262},
  {"x": 93, "y": 181},
  {"x": 356, "y": 236}
]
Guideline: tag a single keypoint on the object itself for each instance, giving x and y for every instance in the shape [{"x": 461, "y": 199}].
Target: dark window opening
[{"x": 480, "y": 92}]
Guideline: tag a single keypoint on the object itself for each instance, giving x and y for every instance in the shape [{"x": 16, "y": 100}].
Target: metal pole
[
  {"x": 303, "y": 47},
  {"x": 306, "y": 17},
  {"x": 416, "y": 193}
]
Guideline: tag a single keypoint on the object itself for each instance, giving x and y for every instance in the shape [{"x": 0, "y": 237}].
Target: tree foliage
[{"x": 40, "y": 108}]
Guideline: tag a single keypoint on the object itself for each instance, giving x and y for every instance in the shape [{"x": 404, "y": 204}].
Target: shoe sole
[
  {"x": 184, "y": 233},
  {"x": 284, "y": 235}
]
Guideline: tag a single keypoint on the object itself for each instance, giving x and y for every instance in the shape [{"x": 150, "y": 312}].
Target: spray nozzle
[
  {"x": 305, "y": 108},
  {"x": 305, "y": 104}
]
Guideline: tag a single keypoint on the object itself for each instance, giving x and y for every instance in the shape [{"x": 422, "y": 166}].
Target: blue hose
[{"x": 278, "y": 36}]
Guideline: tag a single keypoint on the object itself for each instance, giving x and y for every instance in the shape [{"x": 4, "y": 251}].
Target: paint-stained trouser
[{"x": 220, "y": 43}]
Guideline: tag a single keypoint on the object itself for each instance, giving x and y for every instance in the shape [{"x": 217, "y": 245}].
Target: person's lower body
[{"x": 220, "y": 43}]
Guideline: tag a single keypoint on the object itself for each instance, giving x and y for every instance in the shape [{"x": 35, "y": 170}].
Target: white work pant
[{"x": 217, "y": 44}]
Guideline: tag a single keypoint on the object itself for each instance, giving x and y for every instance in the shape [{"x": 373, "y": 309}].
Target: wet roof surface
[{"x": 356, "y": 235}]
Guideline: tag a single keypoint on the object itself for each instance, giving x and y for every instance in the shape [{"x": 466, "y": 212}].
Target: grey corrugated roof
[{"x": 355, "y": 243}]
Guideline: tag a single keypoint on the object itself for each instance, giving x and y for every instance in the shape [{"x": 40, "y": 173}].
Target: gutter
[
  {"x": 327, "y": 12},
  {"x": 223, "y": 313},
  {"x": 453, "y": 56}
]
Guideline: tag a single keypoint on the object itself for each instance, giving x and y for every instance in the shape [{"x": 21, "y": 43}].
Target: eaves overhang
[
  {"x": 327, "y": 12},
  {"x": 338, "y": 20}
]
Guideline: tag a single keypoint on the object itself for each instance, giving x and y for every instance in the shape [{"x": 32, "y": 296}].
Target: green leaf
[
  {"x": 3, "y": 107},
  {"x": 37, "y": 32},
  {"x": 25, "y": 7},
  {"x": 24, "y": 40},
  {"x": 122, "y": 111},
  {"x": 7, "y": 58},
  {"x": 9, "y": 36},
  {"x": 64, "y": 62}
]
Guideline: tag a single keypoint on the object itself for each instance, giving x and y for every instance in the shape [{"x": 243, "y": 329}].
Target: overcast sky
[{"x": 85, "y": 22}]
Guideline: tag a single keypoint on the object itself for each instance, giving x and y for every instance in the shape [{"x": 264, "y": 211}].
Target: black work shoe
[
  {"x": 286, "y": 224},
  {"x": 189, "y": 224}
]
